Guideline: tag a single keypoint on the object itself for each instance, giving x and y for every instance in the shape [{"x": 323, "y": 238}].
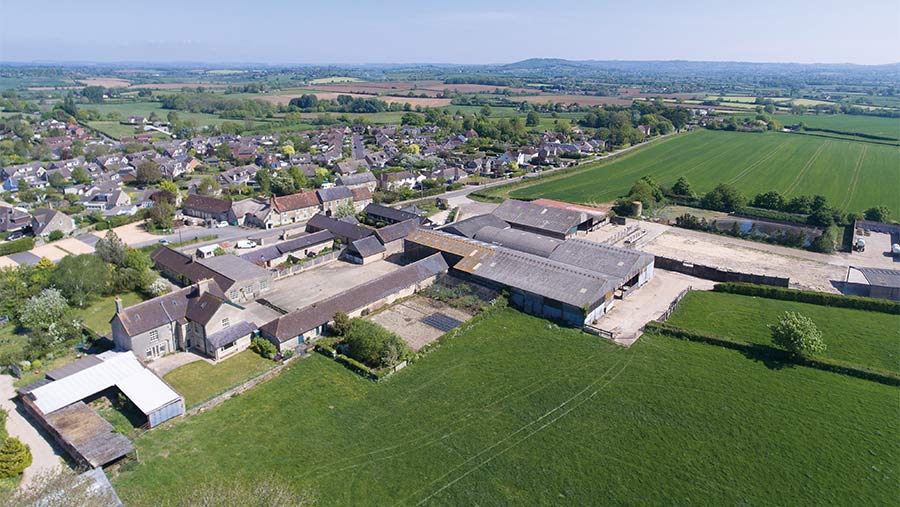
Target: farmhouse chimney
[
  {"x": 119, "y": 306},
  {"x": 203, "y": 286}
]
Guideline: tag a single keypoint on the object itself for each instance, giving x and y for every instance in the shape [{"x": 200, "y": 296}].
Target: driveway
[
  {"x": 165, "y": 364},
  {"x": 44, "y": 456}
]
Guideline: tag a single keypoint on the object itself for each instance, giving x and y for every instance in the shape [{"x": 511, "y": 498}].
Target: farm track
[
  {"x": 806, "y": 167},
  {"x": 855, "y": 181},
  {"x": 763, "y": 160}
]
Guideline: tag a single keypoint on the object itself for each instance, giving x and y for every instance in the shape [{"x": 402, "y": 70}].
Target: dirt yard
[
  {"x": 405, "y": 319},
  {"x": 647, "y": 303}
]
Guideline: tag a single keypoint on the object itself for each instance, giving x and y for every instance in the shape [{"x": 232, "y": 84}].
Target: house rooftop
[{"x": 535, "y": 216}]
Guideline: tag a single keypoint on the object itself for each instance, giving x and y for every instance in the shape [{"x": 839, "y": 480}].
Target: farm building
[
  {"x": 392, "y": 236},
  {"x": 874, "y": 282},
  {"x": 300, "y": 326},
  {"x": 307, "y": 245},
  {"x": 554, "y": 221},
  {"x": 197, "y": 318},
  {"x": 208, "y": 208},
  {"x": 573, "y": 281},
  {"x": 386, "y": 215},
  {"x": 365, "y": 250},
  {"x": 240, "y": 279},
  {"x": 58, "y": 404},
  {"x": 343, "y": 231}
]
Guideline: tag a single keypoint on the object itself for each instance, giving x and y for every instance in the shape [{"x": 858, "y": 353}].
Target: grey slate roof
[
  {"x": 518, "y": 240},
  {"x": 305, "y": 241},
  {"x": 310, "y": 317},
  {"x": 367, "y": 247},
  {"x": 535, "y": 216},
  {"x": 360, "y": 178},
  {"x": 398, "y": 231},
  {"x": 171, "y": 307},
  {"x": 470, "y": 226},
  {"x": 388, "y": 213},
  {"x": 230, "y": 334},
  {"x": 334, "y": 194},
  {"x": 233, "y": 267},
  {"x": 881, "y": 277},
  {"x": 338, "y": 228},
  {"x": 73, "y": 367}
]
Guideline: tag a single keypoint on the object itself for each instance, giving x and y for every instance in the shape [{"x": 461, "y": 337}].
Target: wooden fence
[{"x": 669, "y": 311}]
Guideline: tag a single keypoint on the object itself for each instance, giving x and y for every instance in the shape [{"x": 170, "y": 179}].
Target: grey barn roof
[
  {"x": 470, "y": 226},
  {"x": 338, "y": 228},
  {"x": 398, "y": 231},
  {"x": 518, "y": 240},
  {"x": 233, "y": 267},
  {"x": 881, "y": 277},
  {"x": 394, "y": 215},
  {"x": 367, "y": 247},
  {"x": 535, "y": 216},
  {"x": 609, "y": 260},
  {"x": 305, "y": 241},
  {"x": 310, "y": 317},
  {"x": 356, "y": 178},
  {"x": 230, "y": 334}
]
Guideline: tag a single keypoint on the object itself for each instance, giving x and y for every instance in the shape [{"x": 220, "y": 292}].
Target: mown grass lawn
[
  {"x": 97, "y": 315},
  {"x": 852, "y": 175},
  {"x": 514, "y": 411},
  {"x": 200, "y": 381},
  {"x": 866, "y": 338}
]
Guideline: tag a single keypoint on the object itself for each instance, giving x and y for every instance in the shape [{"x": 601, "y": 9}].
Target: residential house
[
  {"x": 333, "y": 198},
  {"x": 239, "y": 279},
  {"x": 45, "y": 220},
  {"x": 13, "y": 219},
  {"x": 291, "y": 209},
  {"x": 208, "y": 208},
  {"x": 360, "y": 179}
]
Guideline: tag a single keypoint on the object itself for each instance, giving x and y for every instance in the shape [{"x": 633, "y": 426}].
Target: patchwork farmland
[
  {"x": 516, "y": 411},
  {"x": 852, "y": 175}
]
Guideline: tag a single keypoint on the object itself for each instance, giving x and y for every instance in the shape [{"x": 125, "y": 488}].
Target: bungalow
[{"x": 47, "y": 220}]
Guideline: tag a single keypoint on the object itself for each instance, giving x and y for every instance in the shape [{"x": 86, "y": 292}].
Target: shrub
[
  {"x": 264, "y": 348},
  {"x": 15, "y": 457},
  {"x": 878, "y": 214},
  {"x": 341, "y": 324},
  {"x": 373, "y": 345},
  {"x": 55, "y": 235},
  {"x": 36, "y": 364},
  {"x": 158, "y": 287},
  {"x": 16, "y": 246},
  {"x": 811, "y": 297},
  {"x": 798, "y": 334}
]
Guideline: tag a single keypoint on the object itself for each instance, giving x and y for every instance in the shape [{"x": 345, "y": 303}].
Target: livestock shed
[
  {"x": 344, "y": 232},
  {"x": 553, "y": 221},
  {"x": 572, "y": 281},
  {"x": 874, "y": 282},
  {"x": 292, "y": 330},
  {"x": 387, "y": 215},
  {"x": 58, "y": 403},
  {"x": 365, "y": 250},
  {"x": 469, "y": 226}
]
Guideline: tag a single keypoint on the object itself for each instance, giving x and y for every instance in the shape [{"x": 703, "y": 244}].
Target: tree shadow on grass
[{"x": 772, "y": 358}]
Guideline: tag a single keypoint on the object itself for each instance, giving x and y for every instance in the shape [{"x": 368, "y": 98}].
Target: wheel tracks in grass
[
  {"x": 754, "y": 165},
  {"x": 857, "y": 169},
  {"x": 805, "y": 168},
  {"x": 527, "y": 427},
  {"x": 441, "y": 433}
]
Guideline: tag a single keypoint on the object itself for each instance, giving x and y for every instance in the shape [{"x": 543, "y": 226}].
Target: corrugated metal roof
[
  {"x": 551, "y": 219},
  {"x": 881, "y": 277},
  {"x": 470, "y": 226},
  {"x": 609, "y": 260},
  {"x": 147, "y": 391},
  {"x": 522, "y": 241}
]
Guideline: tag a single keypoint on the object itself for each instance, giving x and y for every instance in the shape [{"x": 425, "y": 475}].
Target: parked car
[
  {"x": 221, "y": 224},
  {"x": 164, "y": 241},
  {"x": 246, "y": 243},
  {"x": 16, "y": 235}
]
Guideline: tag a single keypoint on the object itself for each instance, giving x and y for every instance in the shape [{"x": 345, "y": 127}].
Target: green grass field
[
  {"x": 860, "y": 337},
  {"x": 871, "y": 125},
  {"x": 97, "y": 315},
  {"x": 200, "y": 381},
  {"x": 515, "y": 411},
  {"x": 852, "y": 175}
]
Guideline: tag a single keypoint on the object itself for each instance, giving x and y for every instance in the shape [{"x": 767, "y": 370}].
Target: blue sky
[{"x": 462, "y": 31}]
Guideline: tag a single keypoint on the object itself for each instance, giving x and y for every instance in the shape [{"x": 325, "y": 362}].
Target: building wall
[
  {"x": 331, "y": 207},
  {"x": 168, "y": 339},
  {"x": 275, "y": 219},
  {"x": 238, "y": 346},
  {"x": 249, "y": 290},
  {"x": 165, "y": 413}
]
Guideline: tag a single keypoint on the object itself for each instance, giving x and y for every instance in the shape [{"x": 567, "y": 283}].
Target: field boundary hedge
[
  {"x": 811, "y": 297},
  {"x": 768, "y": 353},
  {"x": 16, "y": 246}
]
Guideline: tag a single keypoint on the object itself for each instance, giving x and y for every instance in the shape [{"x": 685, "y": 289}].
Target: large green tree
[{"x": 81, "y": 278}]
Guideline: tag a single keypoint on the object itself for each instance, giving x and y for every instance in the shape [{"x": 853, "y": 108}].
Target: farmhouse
[
  {"x": 290, "y": 209},
  {"x": 306, "y": 324},
  {"x": 333, "y": 198},
  {"x": 356, "y": 180},
  {"x": 240, "y": 279},
  {"x": 573, "y": 281},
  {"x": 57, "y": 403}
]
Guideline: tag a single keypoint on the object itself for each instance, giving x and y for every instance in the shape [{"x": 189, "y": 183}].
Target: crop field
[
  {"x": 335, "y": 79},
  {"x": 870, "y": 125},
  {"x": 515, "y": 411},
  {"x": 857, "y": 336},
  {"x": 852, "y": 175}
]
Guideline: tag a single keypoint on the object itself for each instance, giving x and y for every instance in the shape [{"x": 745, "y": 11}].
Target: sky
[{"x": 462, "y": 31}]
